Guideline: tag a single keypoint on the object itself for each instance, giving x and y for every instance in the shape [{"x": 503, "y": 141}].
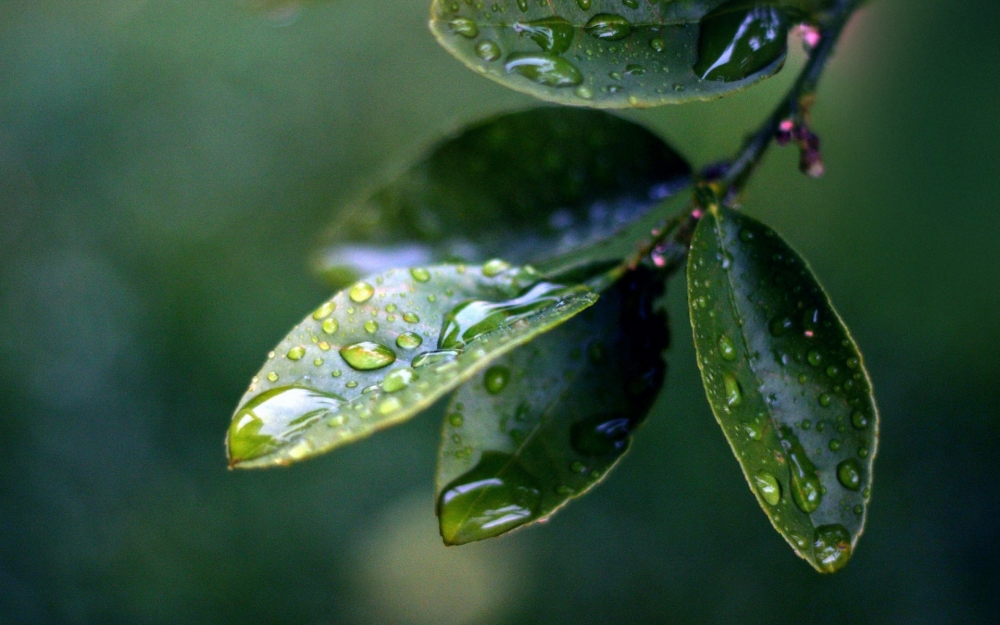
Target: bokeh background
[{"x": 166, "y": 170}]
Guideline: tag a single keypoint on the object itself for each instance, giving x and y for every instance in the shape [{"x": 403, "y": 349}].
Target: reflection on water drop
[
  {"x": 600, "y": 435},
  {"x": 275, "y": 417},
  {"x": 735, "y": 42},
  {"x": 494, "y": 497}
]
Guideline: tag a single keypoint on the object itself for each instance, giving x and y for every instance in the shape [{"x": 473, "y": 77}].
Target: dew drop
[
  {"x": 408, "y": 340},
  {"x": 814, "y": 357},
  {"x": 397, "y": 380},
  {"x": 726, "y": 348},
  {"x": 553, "y": 34},
  {"x": 608, "y": 27},
  {"x": 272, "y": 377},
  {"x": 734, "y": 393},
  {"x": 464, "y": 27},
  {"x": 545, "y": 69},
  {"x": 324, "y": 311},
  {"x": 366, "y": 356},
  {"x": 420, "y": 274},
  {"x": 825, "y": 399},
  {"x": 330, "y": 326},
  {"x": 768, "y": 487},
  {"x": 276, "y": 417},
  {"x": 658, "y": 44},
  {"x": 849, "y": 474},
  {"x": 832, "y": 547},
  {"x": 456, "y": 420},
  {"x": 371, "y": 327},
  {"x": 296, "y": 353},
  {"x": 411, "y": 317},
  {"x": 487, "y": 50},
  {"x": 361, "y": 292},
  {"x": 495, "y": 267},
  {"x": 495, "y": 379},
  {"x": 859, "y": 420}
]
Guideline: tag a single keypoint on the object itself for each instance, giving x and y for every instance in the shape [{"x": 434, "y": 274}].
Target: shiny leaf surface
[
  {"x": 522, "y": 185},
  {"x": 617, "y": 54},
  {"x": 786, "y": 383},
  {"x": 546, "y": 422},
  {"x": 385, "y": 349}
]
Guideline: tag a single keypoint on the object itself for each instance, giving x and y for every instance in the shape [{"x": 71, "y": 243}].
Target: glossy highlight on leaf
[
  {"x": 365, "y": 360},
  {"x": 546, "y": 422},
  {"x": 523, "y": 185},
  {"x": 806, "y": 418},
  {"x": 612, "y": 54}
]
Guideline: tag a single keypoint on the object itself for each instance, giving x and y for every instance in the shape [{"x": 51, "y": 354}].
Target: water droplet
[
  {"x": 318, "y": 362},
  {"x": 487, "y": 50},
  {"x": 366, "y": 356},
  {"x": 361, "y": 292},
  {"x": 658, "y": 44},
  {"x": 494, "y": 497},
  {"x": 330, "y": 326},
  {"x": 296, "y": 353},
  {"x": 336, "y": 373},
  {"x": 726, "y": 348},
  {"x": 435, "y": 357},
  {"x": 600, "y": 435},
  {"x": 388, "y": 406},
  {"x": 420, "y": 274},
  {"x": 853, "y": 362},
  {"x": 584, "y": 4},
  {"x": 814, "y": 357},
  {"x": 391, "y": 308},
  {"x": 456, "y": 420},
  {"x": 632, "y": 4},
  {"x": 465, "y": 27},
  {"x": 806, "y": 486},
  {"x": 734, "y": 44},
  {"x": 734, "y": 393},
  {"x": 352, "y": 384},
  {"x": 825, "y": 399},
  {"x": 553, "y": 34},
  {"x": 859, "y": 420},
  {"x": 397, "y": 380},
  {"x": 858, "y": 509},
  {"x": 495, "y": 379},
  {"x": 544, "y": 69},
  {"x": 583, "y": 92},
  {"x": 472, "y": 319},
  {"x": 768, "y": 487},
  {"x": 274, "y": 418},
  {"x": 272, "y": 377},
  {"x": 834, "y": 443},
  {"x": 862, "y": 452},
  {"x": 495, "y": 267},
  {"x": 432, "y": 298},
  {"x": 324, "y": 311},
  {"x": 608, "y": 27},
  {"x": 832, "y": 547},
  {"x": 577, "y": 467},
  {"x": 408, "y": 340},
  {"x": 371, "y": 327},
  {"x": 849, "y": 474},
  {"x": 411, "y": 318},
  {"x": 754, "y": 431}
]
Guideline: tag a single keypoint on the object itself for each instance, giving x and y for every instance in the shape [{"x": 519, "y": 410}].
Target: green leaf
[
  {"x": 619, "y": 53},
  {"x": 786, "y": 383},
  {"x": 385, "y": 349},
  {"x": 546, "y": 422},
  {"x": 521, "y": 185}
]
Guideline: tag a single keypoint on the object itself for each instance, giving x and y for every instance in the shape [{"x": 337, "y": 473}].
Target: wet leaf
[
  {"x": 523, "y": 185},
  {"x": 786, "y": 383},
  {"x": 546, "y": 422},
  {"x": 385, "y": 349},
  {"x": 615, "y": 53}
]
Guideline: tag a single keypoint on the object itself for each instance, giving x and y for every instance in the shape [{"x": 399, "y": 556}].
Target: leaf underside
[
  {"x": 786, "y": 383},
  {"x": 309, "y": 399},
  {"x": 522, "y": 185},
  {"x": 644, "y": 55},
  {"x": 546, "y": 422}
]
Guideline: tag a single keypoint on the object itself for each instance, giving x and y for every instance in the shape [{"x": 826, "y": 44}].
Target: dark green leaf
[
  {"x": 385, "y": 349},
  {"x": 619, "y": 53},
  {"x": 522, "y": 185},
  {"x": 786, "y": 383},
  {"x": 546, "y": 422}
]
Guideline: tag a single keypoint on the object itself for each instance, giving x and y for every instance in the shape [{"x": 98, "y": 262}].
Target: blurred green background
[{"x": 166, "y": 170}]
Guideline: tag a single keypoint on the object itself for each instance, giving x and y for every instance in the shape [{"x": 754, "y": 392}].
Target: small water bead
[
  {"x": 825, "y": 399},
  {"x": 726, "y": 348},
  {"x": 272, "y": 377},
  {"x": 634, "y": 70},
  {"x": 397, "y": 380},
  {"x": 324, "y": 311},
  {"x": 678, "y": 87},
  {"x": 411, "y": 317},
  {"x": 391, "y": 308},
  {"x": 465, "y": 27},
  {"x": 578, "y": 467},
  {"x": 658, "y": 44},
  {"x": 849, "y": 474},
  {"x": 834, "y": 443},
  {"x": 862, "y": 452},
  {"x": 323, "y": 345},
  {"x": 768, "y": 487},
  {"x": 584, "y": 4},
  {"x": 456, "y": 420},
  {"x": 351, "y": 384},
  {"x": 553, "y": 34},
  {"x": 487, "y": 50},
  {"x": 337, "y": 420},
  {"x": 814, "y": 357},
  {"x": 318, "y": 362},
  {"x": 495, "y": 267},
  {"x": 608, "y": 27},
  {"x": 388, "y": 406},
  {"x": 420, "y": 274},
  {"x": 336, "y": 373},
  {"x": 371, "y": 327},
  {"x": 495, "y": 379},
  {"x": 866, "y": 493},
  {"x": 330, "y": 326},
  {"x": 858, "y": 509},
  {"x": 361, "y": 292},
  {"x": 366, "y": 356},
  {"x": 832, "y": 547},
  {"x": 296, "y": 353},
  {"x": 543, "y": 68},
  {"x": 583, "y": 92},
  {"x": 632, "y": 4},
  {"x": 432, "y": 298},
  {"x": 853, "y": 362},
  {"x": 859, "y": 420},
  {"x": 734, "y": 393},
  {"x": 408, "y": 340},
  {"x": 754, "y": 431}
]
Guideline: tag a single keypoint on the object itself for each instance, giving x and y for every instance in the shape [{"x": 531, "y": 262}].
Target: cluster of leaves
[{"x": 551, "y": 358}]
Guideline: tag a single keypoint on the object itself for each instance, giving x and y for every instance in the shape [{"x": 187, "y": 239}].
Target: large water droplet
[
  {"x": 768, "y": 487},
  {"x": 727, "y": 349},
  {"x": 330, "y": 326},
  {"x": 735, "y": 42},
  {"x": 545, "y": 69},
  {"x": 807, "y": 490},
  {"x": 361, "y": 292},
  {"x": 734, "y": 393},
  {"x": 494, "y": 497},
  {"x": 608, "y": 26},
  {"x": 552, "y": 34},
  {"x": 471, "y": 319},
  {"x": 371, "y": 327},
  {"x": 420, "y": 274},
  {"x": 601, "y": 434},
  {"x": 832, "y": 547},
  {"x": 849, "y": 474},
  {"x": 495, "y": 379},
  {"x": 366, "y": 355},
  {"x": 275, "y": 417},
  {"x": 296, "y": 353},
  {"x": 465, "y": 27}
]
